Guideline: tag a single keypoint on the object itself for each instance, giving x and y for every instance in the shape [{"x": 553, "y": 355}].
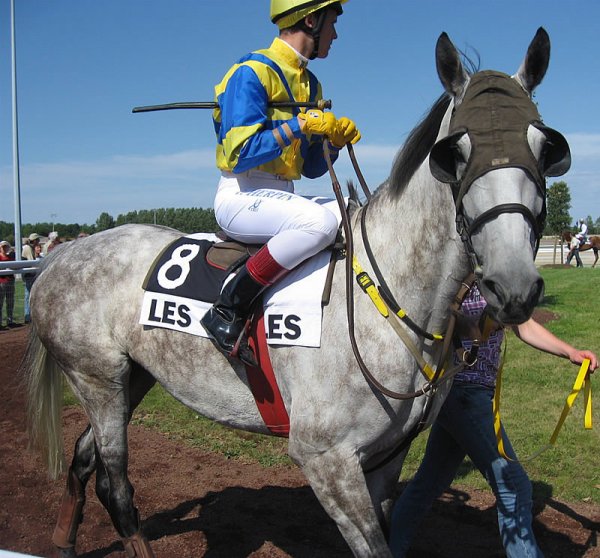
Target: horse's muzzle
[{"x": 510, "y": 305}]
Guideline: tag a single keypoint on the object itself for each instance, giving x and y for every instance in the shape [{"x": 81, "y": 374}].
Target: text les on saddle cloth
[{"x": 174, "y": 299}]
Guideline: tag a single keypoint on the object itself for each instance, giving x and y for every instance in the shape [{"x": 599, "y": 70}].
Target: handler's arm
[{"x": 539, "y": 337}]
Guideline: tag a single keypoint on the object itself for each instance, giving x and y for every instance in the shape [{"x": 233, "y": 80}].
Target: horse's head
[{"x": 496, "y": 155}]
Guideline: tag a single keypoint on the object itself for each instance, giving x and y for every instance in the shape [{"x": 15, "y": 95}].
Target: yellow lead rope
[{"x": 582, "y": 380}]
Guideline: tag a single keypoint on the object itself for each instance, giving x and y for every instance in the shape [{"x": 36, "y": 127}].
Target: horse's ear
[
  {"x": 452, "y": 74},
  {"x": 533, "y": 69}
]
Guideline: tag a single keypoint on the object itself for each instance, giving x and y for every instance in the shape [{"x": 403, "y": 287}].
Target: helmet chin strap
[{"x": 315, "y": 32}]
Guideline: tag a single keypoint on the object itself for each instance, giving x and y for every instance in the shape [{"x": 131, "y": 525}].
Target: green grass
[
  {"x": 535, "y": 386},
  {"x": 534, "y": 389},
  {"x": 19, "y": 311}
]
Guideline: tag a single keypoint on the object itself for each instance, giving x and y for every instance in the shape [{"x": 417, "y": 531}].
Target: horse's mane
[
  {"x": 421, "y": 139},
  {"x": 417, "y": 146}
]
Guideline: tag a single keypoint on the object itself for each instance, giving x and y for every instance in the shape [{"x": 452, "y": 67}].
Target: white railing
[{"x": 17, "y": 268}]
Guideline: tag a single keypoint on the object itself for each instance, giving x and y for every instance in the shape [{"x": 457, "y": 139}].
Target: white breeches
[{"x": 257, "y": 207}]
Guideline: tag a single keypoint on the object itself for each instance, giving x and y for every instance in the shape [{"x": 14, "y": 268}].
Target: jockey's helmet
[{"x": 286, "y": 13}]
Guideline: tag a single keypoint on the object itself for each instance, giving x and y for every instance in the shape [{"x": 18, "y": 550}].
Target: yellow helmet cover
[{"x": 286, "y": 13}]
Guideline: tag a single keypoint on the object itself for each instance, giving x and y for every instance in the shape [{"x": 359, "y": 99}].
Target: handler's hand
[{"x": 578, "y": 357}]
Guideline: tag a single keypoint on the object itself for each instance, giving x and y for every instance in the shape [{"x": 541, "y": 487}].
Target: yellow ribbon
[{"x": 581, "y": 381}]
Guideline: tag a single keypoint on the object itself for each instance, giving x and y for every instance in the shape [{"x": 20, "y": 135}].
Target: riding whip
[{"x": 321, "y": 105}]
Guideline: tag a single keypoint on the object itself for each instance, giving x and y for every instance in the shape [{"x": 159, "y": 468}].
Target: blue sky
[{"x": 84, "y": 64}]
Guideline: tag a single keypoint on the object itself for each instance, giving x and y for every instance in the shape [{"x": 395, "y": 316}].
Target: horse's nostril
[
  {"x": 496, "y": 290},
  {"x": 537, "y": 292}
]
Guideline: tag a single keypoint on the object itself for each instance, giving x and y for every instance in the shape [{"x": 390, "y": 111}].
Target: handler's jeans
[{"x": 465, "y": 426}]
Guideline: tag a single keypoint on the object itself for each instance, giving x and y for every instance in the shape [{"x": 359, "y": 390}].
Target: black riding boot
[{"x": 226, "y": 321}]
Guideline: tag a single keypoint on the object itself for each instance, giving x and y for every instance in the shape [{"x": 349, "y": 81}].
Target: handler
[
  {"x": 465, "y": 426},
  {"x": 261, "y": 150}
]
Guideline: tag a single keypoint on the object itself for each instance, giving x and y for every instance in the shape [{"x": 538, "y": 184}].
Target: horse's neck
[{"x": 414, "y": 239}]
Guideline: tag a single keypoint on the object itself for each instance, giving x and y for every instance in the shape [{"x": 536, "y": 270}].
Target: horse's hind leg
[
  {"x": 112, "y": 484},
  {"x": 73, "y": 499},
  {"x": 103, "y": 447}
]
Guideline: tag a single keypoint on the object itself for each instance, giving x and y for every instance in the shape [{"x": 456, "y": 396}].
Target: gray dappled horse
[{"x": 342, "y": 430}]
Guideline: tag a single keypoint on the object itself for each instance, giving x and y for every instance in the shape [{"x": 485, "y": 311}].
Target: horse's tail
[{"x": 44, "y": 385}]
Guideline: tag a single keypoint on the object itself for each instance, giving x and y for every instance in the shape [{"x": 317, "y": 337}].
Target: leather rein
[{"x": 386, "y": 303}]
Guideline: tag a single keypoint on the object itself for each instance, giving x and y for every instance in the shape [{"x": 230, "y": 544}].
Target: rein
[{"x": 434, "y": 377}]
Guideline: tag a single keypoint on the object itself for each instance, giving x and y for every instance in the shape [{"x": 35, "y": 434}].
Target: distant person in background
[
  {"x": 28, "y": 253},
  {"x": 7, "y": 285},
  {"x": 53, "y": 242},
  {"x": 582, "y": 234},
  {"x": 577, "y": 241}
]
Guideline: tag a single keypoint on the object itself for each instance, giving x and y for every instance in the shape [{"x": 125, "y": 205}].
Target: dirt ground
[{"x": 196, "y": 504}]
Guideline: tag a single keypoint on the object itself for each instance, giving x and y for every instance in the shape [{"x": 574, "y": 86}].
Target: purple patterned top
[{"x": 488, "y": 358}]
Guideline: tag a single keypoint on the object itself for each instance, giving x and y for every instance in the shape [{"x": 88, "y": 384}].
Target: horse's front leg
[
  {"x": 382, "y": 482},
  {"x": 339, "y": 483}
]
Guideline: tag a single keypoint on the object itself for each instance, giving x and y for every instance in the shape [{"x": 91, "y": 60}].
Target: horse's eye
[{"x": 458, "y": 155}]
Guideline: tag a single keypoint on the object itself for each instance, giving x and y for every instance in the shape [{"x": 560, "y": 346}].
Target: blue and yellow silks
[{"x": 252, "y": 135}]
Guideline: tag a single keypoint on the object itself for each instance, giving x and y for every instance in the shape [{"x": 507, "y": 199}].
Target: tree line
[
  {"x": 187, "y": 220},
  {"x": 558, "y": 204},
  {"x": 190, "y": 220}
]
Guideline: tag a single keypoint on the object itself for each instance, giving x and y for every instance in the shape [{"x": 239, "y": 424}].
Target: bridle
[
  {"x": 492, "y": 98},
  {"x": 485, "y": 94}
]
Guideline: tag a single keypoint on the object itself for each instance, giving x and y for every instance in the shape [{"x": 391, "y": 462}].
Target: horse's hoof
[{"x": 67, "y": 552}]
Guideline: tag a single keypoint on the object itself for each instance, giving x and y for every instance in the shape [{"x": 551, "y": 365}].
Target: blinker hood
[{"x": 496, "y": 113}]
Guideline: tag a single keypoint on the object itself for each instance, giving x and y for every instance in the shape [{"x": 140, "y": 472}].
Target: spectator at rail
[
  {"x": 7, "y": 286},
  {"x": 38, "y": 251},
  {"x": 28, "y": 253},
  {"x": 53, "y": 242}
]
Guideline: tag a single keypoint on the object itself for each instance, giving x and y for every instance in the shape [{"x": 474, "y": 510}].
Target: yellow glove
[
  {"x": 346, "y": 132},
  {"x": 318, "y": 122}
]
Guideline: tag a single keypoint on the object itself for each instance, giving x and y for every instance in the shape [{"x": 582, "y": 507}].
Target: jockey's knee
[
  {"x": 322, "y": 227},
  {"x": 305, "y": 237}
]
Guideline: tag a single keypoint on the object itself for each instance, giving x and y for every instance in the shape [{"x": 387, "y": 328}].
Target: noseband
[{"x": 496, "y": 113}]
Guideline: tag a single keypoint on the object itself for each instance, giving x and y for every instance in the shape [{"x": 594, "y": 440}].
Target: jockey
[
  {"x": 260, "y": 151},
  {"x": 582, "y": 234}
]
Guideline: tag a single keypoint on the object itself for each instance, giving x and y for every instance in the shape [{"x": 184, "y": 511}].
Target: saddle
[{"x": 229, "y": 254}]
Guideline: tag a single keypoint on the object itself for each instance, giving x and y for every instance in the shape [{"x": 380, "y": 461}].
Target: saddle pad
[{"x": 172, "y": 300}]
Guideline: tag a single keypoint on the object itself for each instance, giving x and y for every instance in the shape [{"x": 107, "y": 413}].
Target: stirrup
[{"x": 241, "y": 350}]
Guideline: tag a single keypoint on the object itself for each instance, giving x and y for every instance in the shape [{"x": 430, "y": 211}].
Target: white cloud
[{"x": 78, "y": 191}]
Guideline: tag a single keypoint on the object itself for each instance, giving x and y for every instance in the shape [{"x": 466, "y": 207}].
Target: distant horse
[
  {"x": 593, "y": 243},
  {"x": 343, "y": 431}
]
